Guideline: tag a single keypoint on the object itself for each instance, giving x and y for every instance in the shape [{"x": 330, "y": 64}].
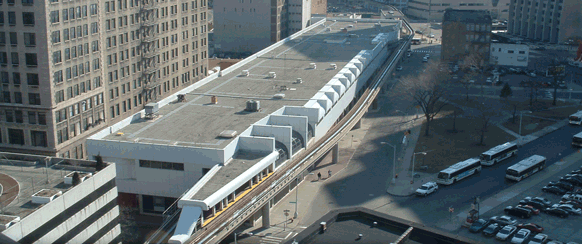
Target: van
[{"x": 520, "y": 212}]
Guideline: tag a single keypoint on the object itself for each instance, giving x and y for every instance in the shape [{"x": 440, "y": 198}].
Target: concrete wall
[
  {"x": 500, "y": 54},
  {"x": 60, "y": 204},
  {"x": 299, "y": 123},
  {"x": 256, "y": 144},
  {"x": 242, "y": 25},
  {"x": 280, "y": 133}
]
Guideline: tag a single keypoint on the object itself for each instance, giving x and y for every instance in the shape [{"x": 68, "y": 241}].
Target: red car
[
  {"x": 531, "y": 226},
  {"x": 533, "y": 210}
]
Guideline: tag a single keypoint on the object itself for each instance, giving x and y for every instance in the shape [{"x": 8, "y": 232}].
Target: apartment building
[
  {"x": 247, "y": 26},
  {"x": 466, "y": 32},
  {"x": 553, "y": 21},
  {"x": 70, "y": 68},
  {"x": 420, "y": 8}
]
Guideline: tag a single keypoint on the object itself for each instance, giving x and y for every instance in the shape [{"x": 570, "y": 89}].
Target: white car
[
  {"x": 399, "y": 68},
  {"x": 539, "y": 239},
  {"x": 427, "y": 188},
  {"x": 568, "y": 208},
  {"x": 408, "y": 55},
  {"x": 489, "y": 80},
  {"x": 520, "y": 236},
  {"x": 506, "y": 232},
  {"x": 427, "y": 55}
]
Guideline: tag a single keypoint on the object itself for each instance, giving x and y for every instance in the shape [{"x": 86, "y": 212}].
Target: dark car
[
  {"x": 557, "y": 212},
  {"x": 572, "y": 180},
  {"x": 574, "y": 203},
  {"x": 542, "y": 201},
  {"x": 578, "y": 171},
  {"x": 554, "y": 190},
  {"x": 478, "y": 225},
  {"x": 492, "y": 229},
  {"x": 523, "y": 213},
  {"x": 531, "y": 226},
  {"x": 535, "y": 204},
  {"x": 562, "y": 184}
]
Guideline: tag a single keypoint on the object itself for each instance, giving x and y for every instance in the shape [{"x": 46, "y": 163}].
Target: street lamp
[
  {"x": 393, "y": 161},
  {"x": 296, "y": 198},
  {"x": 520, "y": 118},
  {"x": 413, "y": 159},
  {"x": 570, "y": 96}
]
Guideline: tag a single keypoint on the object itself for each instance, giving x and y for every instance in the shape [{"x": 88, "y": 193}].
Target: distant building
[
  {"x": 43, "y": 205},
  {"x": 465, "y": 32},
  {"x": 420, "y": 8},
  {"x": 247, "y": 26},
  {"x": 505, "y": 54},
  {"x": 547, "y": 21}
]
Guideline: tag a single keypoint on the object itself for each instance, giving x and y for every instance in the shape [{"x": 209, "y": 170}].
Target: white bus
[
  {"x": 576, "y": 118},
  {"x": 577, "y": 140},
  {"x": 459, "y": 171},
  {"x": 498, "y": 153},
  {"x": 525, "y": 168}
]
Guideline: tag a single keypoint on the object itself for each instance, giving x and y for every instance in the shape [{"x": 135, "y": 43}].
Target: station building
[{"x": 219, "y": 138}]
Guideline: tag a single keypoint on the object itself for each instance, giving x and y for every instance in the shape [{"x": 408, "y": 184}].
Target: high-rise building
[
  {"x": 435, "y": 9},
  {"x": 247, "y": 26},
  {"x": 548, "y": 21},
  {"x": 466, "y": 32},
  {"x": 70, "y": 68}
]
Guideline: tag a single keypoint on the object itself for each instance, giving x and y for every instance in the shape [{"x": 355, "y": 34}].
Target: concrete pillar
[
  {"x": 266, "y": 211},
  {"x": 233, "y": 196},
  {"x": 335, "y": 153},
  {"x": 358, "y": 125},
  {"x": 375, "y": 104}
]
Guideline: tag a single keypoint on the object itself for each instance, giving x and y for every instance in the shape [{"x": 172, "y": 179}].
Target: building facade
[
  {"x": 554, "y": 21},
  {"x": 56, "y": 210},
  {"x": 421, "y": 8},
  {"x": 465, "y": 32},
  {"x": 506, "y": 54},
  {"x": 69, "y": 68}
]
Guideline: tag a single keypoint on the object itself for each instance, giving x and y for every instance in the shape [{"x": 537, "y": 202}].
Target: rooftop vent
[
  {"x": 245, "y": 73},
  {"x": 333, "y": 66},
  {"x": 253, "y": 106},
  {"x": 299, "y": 81},
  {"x": 279, "y": 96},
  {"x": 45, "y": 196},
  {"x": 298, "y": 39},
  {"x": 151, "y": 110},
  {"x": 272, "y": 75},
  {"x": 214, "y": 100},
  {"x": 7, "y": 220},
  {"x": 350, "y": 26},
  {"x": 228, "y": 134},
  {"x": 328, "y": 29},
  {"x": 344, "y": 30},
  {"x": 181, "y": 98},
  {"x": 313, "y": 65}
]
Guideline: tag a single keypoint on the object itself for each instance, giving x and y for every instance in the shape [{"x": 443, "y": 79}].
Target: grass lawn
[
  {"x": 449, "y": 148},
  {"x": 537, "y": 122}
]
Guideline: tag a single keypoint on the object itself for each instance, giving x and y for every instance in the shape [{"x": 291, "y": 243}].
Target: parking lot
[{"x": 561, "y": 229}]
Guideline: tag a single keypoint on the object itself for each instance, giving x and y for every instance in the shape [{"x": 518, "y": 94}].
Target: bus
[
  {"x": 415, "y": 41},
  {"x": 525, "y": 168},
  {"x": 576, "y": 118},
  {"x": 498, "y": 153},
  {"x": 577, "y": 140},
  {"x": 459, "y": 171}
]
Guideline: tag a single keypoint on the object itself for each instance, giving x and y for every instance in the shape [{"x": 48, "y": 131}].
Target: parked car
[
  {"x": 557, "y": 212},
  {"x": 520, "y": 236},
  {"x": 523, "y": 213},
  {"x": 531, "y": 74},
  {"x": 535, "y": 204},
  {"x": 531, "y": 226},
  {"x": 489, "y": 80},
  {"x": 427, "y": 188},
  {"x": 572, "y": 180},
  {"x": 562, "y": 86},
  {"x": 478, "y": 225},
  {"x": 545, "y": 202},
  {"x": 424, "y": 59},
  {"x": 408, "y": 55},
  {"x": 503, "y": 220},
  {"x": 568, "y": 208},
  {"x": 574, "y": 203},
  {"x": 578, "y": 171},
  {"x": 554, "y": 190},
  {"x": 492, "y": 229},
  {"x": 399, "y": 68},
  {"x": 533, "y": 210},
  {"x": 539, "y": 239},
  {"x": 506, "y": 233},
  {"x": 572, "y": 196},
  {"x": 561, "y": 184},
  {"x": 554, "y": 242},
  {"x": 427, "y": 55}
]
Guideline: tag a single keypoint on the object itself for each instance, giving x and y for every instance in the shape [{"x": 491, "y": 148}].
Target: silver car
[
  {"x": 506, "y": 232},
  {"x": 503, "y": 220},
  {"x": 539, "y": 239},
  {"x": 569, "y": 208}
]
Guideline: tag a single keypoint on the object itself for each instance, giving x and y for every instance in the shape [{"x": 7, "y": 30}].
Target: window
[
  {"x": 16, "y": 78},
  {"x": 57, "y": 57},
  {"x": 34, "y": 98},
  {"x": 31, "y": 59},
  {"x": 58, "y": 76},
  {"x": 16, "y": 136},
  {"x": 28, "y": 18},
  {"x": 18, "y": 97},
  {"x": 521, "y": 52},
  {"x": 41, "y": 118},
  {"x": 9, "y": 116},
  {"x": 161, "y": 165},
  {"x": 2, "y": 38},
  {"x": 56, "y": 36},
  {"x": 29, "y": 39},
  {"x": 18, "y": 117},
  {"x": 27, "y": 2},
  {"x": 510, "y": 51},
  {"x": 54, "y": 16},
  {"x": 13, "y": 39},
  {"x": 11, "y": 18},
  {"x": 15, "y": 59},
  {"x": 38, "y": 138},
  {"x": 3, "y": 58}
]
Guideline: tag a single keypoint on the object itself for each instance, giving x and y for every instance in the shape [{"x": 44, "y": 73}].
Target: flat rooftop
[
  {"x": 241, "y": 162},
  {"x": 20, "y": 179},
  {"x": 198, "y": 122}
]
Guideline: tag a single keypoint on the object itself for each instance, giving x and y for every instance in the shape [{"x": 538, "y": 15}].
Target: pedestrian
[
  {"x": 329, "y": 173},
  {"x": 318, "y": 175}
]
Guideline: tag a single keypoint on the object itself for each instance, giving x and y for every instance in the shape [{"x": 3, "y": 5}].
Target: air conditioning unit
[
  {"x": 299, "y": 81},
  {"x": 272, "y": 75},
  {"x": 253, "y": 106},
  {"x": 228, "y": 134},
  {"x": 279, "y": 96},
  {"x": 313, "y": 65},
  {"x": 245, "y": 73},
  {"x": 151, "y": 108},
  {"x": 333, "y": 66}
]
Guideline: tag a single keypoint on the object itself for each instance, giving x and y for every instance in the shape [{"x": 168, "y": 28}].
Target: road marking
[{"x": 288, "y": 235}]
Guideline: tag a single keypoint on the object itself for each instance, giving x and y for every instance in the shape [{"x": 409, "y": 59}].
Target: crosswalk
[
  {"x": 547, "y": 94},
  {"x": 423, "y": 51},
  {"x": 271, "y": 240}
]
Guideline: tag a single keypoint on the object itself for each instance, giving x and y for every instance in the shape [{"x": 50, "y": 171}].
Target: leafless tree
[
  {"x": 485, "y": 119},
  {"x": 466, "y": 83},
  {"x": 426, "y": 90}
]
